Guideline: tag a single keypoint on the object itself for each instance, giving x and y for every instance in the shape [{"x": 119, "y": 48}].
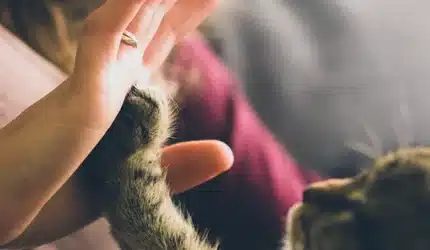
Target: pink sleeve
[{"x": 246, "y": 206}]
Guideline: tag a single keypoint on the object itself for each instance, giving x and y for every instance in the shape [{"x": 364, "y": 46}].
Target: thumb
[{"x": 193, "y": 163}]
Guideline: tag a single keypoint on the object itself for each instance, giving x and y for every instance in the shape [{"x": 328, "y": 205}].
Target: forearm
[
  {"x": 66, "y": 212},
  {"x": 39, "y": 151}
]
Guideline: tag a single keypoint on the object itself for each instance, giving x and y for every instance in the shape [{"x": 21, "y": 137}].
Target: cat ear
[{"x": 341, "y": 192}]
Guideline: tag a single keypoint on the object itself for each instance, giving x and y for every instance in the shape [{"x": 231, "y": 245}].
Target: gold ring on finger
[{"x": 129, "y": 39}]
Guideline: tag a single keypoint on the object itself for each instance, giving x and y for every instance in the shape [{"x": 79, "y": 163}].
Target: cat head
[{"x": 387, "y": 207}]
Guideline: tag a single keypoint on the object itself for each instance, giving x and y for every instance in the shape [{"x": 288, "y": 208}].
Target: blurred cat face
[{"x": 385, "y": 208}]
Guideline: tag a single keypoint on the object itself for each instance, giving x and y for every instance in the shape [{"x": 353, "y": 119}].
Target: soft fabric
[
  {"x": 244, "y": 207},
  {"x": 333, "y": 77}
]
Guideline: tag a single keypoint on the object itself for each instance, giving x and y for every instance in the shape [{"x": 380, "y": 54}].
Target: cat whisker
[
  {"x": 407, "y": 137},
  {"x": 375, "y": 142},
  {"x": 363, "y": 149},
  {"x": 399, "y": 137}
]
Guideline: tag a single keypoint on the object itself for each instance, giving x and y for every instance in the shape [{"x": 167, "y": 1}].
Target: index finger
[{"x": 193, "y": 163}]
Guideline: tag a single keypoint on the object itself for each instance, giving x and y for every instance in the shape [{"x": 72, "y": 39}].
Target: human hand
[
  {"x": 157, "y": 25},
  {"x": 105, "y": 68}
]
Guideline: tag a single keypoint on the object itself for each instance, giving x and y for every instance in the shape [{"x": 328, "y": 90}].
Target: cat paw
[
  {"x": 143, "y": 122},
  {"x": 136, "y": 135}
]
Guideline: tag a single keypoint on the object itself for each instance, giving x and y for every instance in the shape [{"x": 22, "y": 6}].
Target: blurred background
[{"x": 337, "y": 81}]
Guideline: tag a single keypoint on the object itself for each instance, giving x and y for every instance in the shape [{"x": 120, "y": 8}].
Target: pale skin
[{"x": 65, "y": 125}]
